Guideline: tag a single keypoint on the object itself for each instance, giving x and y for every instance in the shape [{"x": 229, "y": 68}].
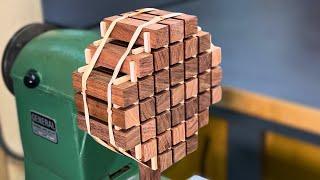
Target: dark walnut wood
[
  {"x": 163, "y": 122},
  {"x": 162, "y": 101},
  {"x": 192, "y": 144},
  {"x": 204, "y": 61},
  {"x": 190, "y": 67},
  {"x": 176, "y": 53},
  {"x": 161, "y": 80},
  {"x": 176, "y": 74},
  {"x": 147, "y": 173},
  {"x": 191, "y": 107},
  {"x": 191, "y": 126},
  {"x": 147, "y": 109},
  {"x": 190, "y": 47},
  {"x": 177, "y": 114},
  {"x": 216, "y": 76},
  {"x": 204, "y": 40},
  {"x": 161, "y": 58},
  {"x": 178, "y": 133},
  {"x": 204, "y": 100},
  {"x": 191, "y": 88},
  {"x": 146, "y": 87},
  {"x": 165, "y": 160},
  {"x": 216, "y": 56},
  {"x": 148, "y": 150},
  {"x": 203, "y": 118},
  {"x": 179, "y": 152},
  {"x": 204, "y": 81},
  {"x": 177, "y": 94},
  {"x": 148, "y": 129},
  {"x": 216, "y": 94},
  {"x": 164, "y": 141}
]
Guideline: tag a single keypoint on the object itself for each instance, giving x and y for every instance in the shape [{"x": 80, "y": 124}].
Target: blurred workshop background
[{"x": 268, "y": 123}]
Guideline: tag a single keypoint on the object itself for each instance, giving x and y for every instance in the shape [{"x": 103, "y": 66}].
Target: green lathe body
[{"x": 70, "y": 153}]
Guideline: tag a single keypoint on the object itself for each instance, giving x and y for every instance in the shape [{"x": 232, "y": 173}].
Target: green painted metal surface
[{"x": 55, "y": 55}]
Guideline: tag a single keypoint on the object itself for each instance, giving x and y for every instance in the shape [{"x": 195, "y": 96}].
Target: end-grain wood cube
[
  {"x": 176, "y": 74},
  {"x": 190, "y": 67},
  {"x": 204, "y": 41},
  {"x": 164, "y": 141},
  {"x": 165, "y": 160},
  {"x": 216, "y": 76},
  {"x": 160, "y": 58},
  {"x": 216, "y": 56},
  {"x": 163, "y": 122},
  {"x": 204, "y": 61},
  {"x": 177, "y": 94},
  {"x": 148, "y": 150},
  {"x": 191, "y": 88},
  {"x": 203, "y": 118},
  {"x": 190, "y": 47},
  {"x": 192, "y": 144},
  {"x": 148, "y": 129},
  {"x": 177, "y": 114},
  {"x": 162, "y": 101},
  {"x": 204, "y": 100},
  {"x": 216, "y": 94},
  {"x": 161, "y": 80},
  {"x": 147, "y": 108},
  {"x": 204, "y": 81},
  {"x": 191, "y": 126},
  {"x": 191, "y": 107},
  {"x": 176, "y": 53},
  {"x": 146, "y": 87},
  {"x": 178, "y": 133},
  {"x": 179, "y": 151}
]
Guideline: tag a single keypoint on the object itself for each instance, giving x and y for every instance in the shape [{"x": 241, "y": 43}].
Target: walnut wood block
[
  {"x": 161, "y": 80},
  {"x": 161, "y": 58},
  {"x": 216, "y": 94},
  {"x": 190, "y": 47},
  {"x": 204, "y": 100},
  {"x": 177, "y": 94},
  {"x": 147, "y": 109},
  {"x": 216, "y": 56},
  {"x": 164, "y": 141},
  {"x": 176, "y": 52},
  {"x": 204, "y": 81},
  {"x": 192, "y": 144},
  {"x": 162, "y": 101},
  {"x": 148, "y": 129},
  {"x": 163, "y": 122},
  {"x": 190, "y": 67},
  {"x": 216, "y": 76},
  {"x": 191, "y": 107},
  {"x": 122, "y": 117},
  {"x": 178, "y": 133},
  {"x": 191, "y": 126},
  {"x": 147, "y": 173},
  {"x": 204, "y": 40},
  {"x": 111, "y": 54},
  {"x": 124, "y": 29},
  {"x": 126, "y": 139},
  {"x": 179, "y": 152},
  {"x": 176, "y": 74},
  {"x": 146, "y": 87},
  {"x": 204, "y": 61},
  {"x": 148, "y": 150},
  {"x": 203, "y": 118},
  {"x": 123, "y": 94},
  {"x": 165, "y": 160},
  {"x": 191, "y": 88},
  {"x": 177, "y": 114}
]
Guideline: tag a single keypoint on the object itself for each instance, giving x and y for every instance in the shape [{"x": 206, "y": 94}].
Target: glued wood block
[
  {"x": 148, "y": 130},
  {"x": 162, "y": 101},
  {"x": 191, "y": 126},
  {"x": 123, "y": 94},
  {"x": 161, "y": 58},
  {"x": 124, "y": 29},
  {"x": 148, "y": 150},
  {"x": 216, "y": 94},
  {"x": 178, "y": 133},
  {"x": 191, "y": 107},
  {"x": 126, "y": 139},
  {"x": 165, "y": 160},
  {"x": 190, "y": 47},
  {"x": 216, "y": 76},
  {"x": 192, "y": 144},
  {"x": 204, "y": 100},
  {"x": 204, "y": 61},
  {"x": 216, "y": 56},
  {"x": 161, "y": 80},
  {"x": 190, "y": 67},
  {"x": 204, "y": 81},
  {"x": 122, "y": 117},
  {"x": 147, "y": 109},
  {"x": 203, "y": 118},
  {"x": 177, "y": 114},
  {"x": 146, "y": 87},
  {"x": 191, "y": 88},
  {"x": 164, "y": 141},
  {"x": 176, "y": 53},
  {"x": 176, "y": 74},
  {"x": 163, "y": 122},
  {"x": 204, "y": 39},
  {"x": 179, "y": 152},
  {"x": 111, "y": 54},
  {"x": 177, "y": 94}
]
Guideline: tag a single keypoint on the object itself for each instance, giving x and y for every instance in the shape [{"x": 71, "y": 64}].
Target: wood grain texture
[
  {"x": 126, "y": 139},
  {"x": 190, "y": 67},
  {"x": 161, "y": 80},
  {"x": 163, "y": 122},
  {"x": 146, "y": 173},
  {"x": 147, "y": 109},
  {"x": 177, "y": 114},
  {"x": 216, "y": 94},
  {"x": 192, "y": 126},
  {"x": 148, "y": 129},
  {"x": 192, "y": 144},
  {"x": 204, "y": 81},
  {"x": 204, "y": 60},
  {"x": 204, "y": 100},
  {"x": 191, "y": 107},
  {"x": 124, "y": 29},
  {"x": 190, "y": 47},
  {"x": 165, "y": 160},
  {"x": 164, "y": 141},
  {"x": 148, "y": 150},
  {"x": 161, "y": 58},
  {"x": 203, "y": 118},
  {"x": 178, "y": 133},
  {"x": 123, "y": 94},
  {"x": 216, "y": 56},
  {"x": 176, "y": 94},
  {"x": 216, "y": 76},
  {"x": 191, "y": 88},
  {"x": 176, "y": 74},
  {"x": 162, "y": 101},
  {"x": 176, "y": 53},
  {"x": 122, "y": 117},
  {"x": 145, "y": 87},
  {"x": 204, "y": 41},
  {"x": 179, "y": 152}
]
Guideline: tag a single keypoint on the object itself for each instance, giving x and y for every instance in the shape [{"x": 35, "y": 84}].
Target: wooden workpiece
[
  {"x": 176, "y": 74},
  {"x": 164, "y": 141},
  {"x": 177, "y": 114},
  {"x": 190, "y": 67},
  {"x": 216, "y": 56},
  {"x": 145, "y": 87},
  {"x": 216, "y": 94},
  {"x": 191, "y": 88},
  {"x": 192, "y": 143},
  {"x": 216, "y": 76},
  {"x": 204, "y": 100},
  {"x": 178, "y": 133},
  {"x": 190, "y": 47},
  {"x": 163, "y": 122},
  {"x": 203, "y": 118},
  {"x": 204, "y": 60},
  {"x": 192, "y": 126},
  {"x": 147, "y": 108},
  {"x": 148, "y": 129},
  {"x": 148, "y": 150},
  {"x": 178, "y": 152},
  {"x": 204, "y": 83},
  {"x": 162, "y": 101},
  {"x": 161, "y": 58},
  {"x": 204, "y": 41},
  {"x": 165, "y": 160},
  {"x": 161, "y": 80},
  {"x": 176, "y": 53},
  {"x": 191, "y": 107},
  {"x": 176, "y": 94}
]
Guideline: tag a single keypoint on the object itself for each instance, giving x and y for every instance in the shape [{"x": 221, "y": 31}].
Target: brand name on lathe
[{"x": 43, "y": 121}]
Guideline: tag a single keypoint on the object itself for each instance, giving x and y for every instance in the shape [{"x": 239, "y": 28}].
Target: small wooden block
[
  {"x": 163, "y": 122},
  {"x": 147, "y": 173},
  {"x": 204, "y": 81},
  {"x": 177, "y": 94},
  {"x": 204, "y": 41},
  {"x": 204, "y": 100},
  {"x": 216, "y": 56},
  {"x": 148, "y": 130},
  {"x": 192, "y": 144},
  {"x": 178, "y": 133},
  {"x": 216, "y": 94},
  {"x": 203, "y": 118},
  {"x": 164, "y": 141},
  {"x": 176, "y": 74},
  {"x": 179, "y": 152},
  {"x": 162, "y": 101},
  {"x": 147, "y": 109},
  {"x": 191, "y": 88},
  {"x": 146, "y": 87},
  {"x": 161, "y": 80},
  {"x": 216, "y": 76},
  {"x": 191, "y": 107},
  {"x": 190, "y": 47},
  {"x": 177, "y": 114},
  {"x": 204, "y": 61},
  {"x": 191, "y": 126},
  {"x": 176, "y": 52},
  {"x": 161, "y": 58},
  {"x": 148, "y": 150},
  {"x": 165, "y": 160},
  {"x": 190, "y": 67}
]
